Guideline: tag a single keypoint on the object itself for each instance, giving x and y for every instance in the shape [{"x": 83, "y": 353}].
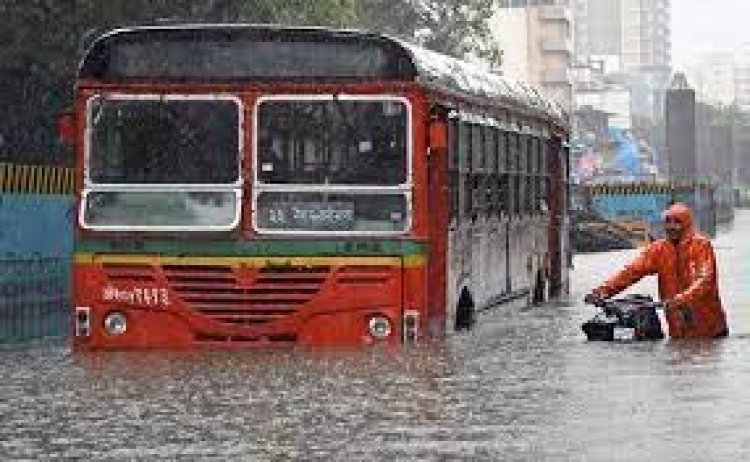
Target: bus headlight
[
  {"x": 115, "y": 323},
  {"x": 380, "y": 326}
]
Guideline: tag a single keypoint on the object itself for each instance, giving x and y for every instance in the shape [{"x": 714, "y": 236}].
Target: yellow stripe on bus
[{"x": 255, "y": 262}]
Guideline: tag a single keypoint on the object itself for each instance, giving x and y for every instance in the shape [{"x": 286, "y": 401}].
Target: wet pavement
[{"x": 525, "y": 385}]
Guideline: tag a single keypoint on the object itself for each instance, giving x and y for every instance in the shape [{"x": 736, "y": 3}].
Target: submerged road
[{"x": 523, "y": 386}]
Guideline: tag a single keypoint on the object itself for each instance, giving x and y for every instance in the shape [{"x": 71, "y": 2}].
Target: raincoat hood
[{"x": 683, "y": 214}]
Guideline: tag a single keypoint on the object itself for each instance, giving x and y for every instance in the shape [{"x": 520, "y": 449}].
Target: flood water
[{"x": 524, "y": 385}]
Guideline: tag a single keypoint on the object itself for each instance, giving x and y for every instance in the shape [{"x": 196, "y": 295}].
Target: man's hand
[{"x": 593, "y": 298}]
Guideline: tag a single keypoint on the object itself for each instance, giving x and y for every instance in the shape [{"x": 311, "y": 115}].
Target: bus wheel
[
  {"x": 539, "y": 289},
  {"x": 465, "y": 312}
]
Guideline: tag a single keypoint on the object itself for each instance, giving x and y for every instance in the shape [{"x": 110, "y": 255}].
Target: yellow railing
[
  {"x": 644, "y": 187},
  {"x": 36, "y": 179}
]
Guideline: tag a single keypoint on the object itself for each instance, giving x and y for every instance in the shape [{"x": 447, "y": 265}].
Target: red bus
[{"x": 244, "y": 185}]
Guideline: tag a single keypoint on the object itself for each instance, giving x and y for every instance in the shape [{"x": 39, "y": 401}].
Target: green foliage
[{"x": 456, "y": 28}]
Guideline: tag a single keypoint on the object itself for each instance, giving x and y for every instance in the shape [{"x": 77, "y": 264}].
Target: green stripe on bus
[
  {"x": 408, "y": 261},
  {"x": 177, "y": 247}
]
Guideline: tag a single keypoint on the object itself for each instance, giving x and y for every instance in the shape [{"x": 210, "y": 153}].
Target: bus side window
[
  {"x": 544, "y": 153},
  {"x": 477, "y": 170},
  {"x": 530, "y": 180},
  {"x": 513, "y": 174},
  {"x": 538, "y": 175},
  {"x": 464, "y": 157},
  {"x": 523, "y": 170},
  {"x": 477, "y": 148},
  {"x": 490, "y": 156},
  {"x": 468, "y": 182},
  {"x": 502, "y": 158},
  {"x": 453, "y": 168}
]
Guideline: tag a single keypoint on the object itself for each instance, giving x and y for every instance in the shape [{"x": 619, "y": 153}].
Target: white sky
[{"x": 707, "y": 25}]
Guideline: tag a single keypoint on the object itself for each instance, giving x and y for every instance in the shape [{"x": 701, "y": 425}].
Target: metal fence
[
  {"x": 643, "y": 203},
  {"x": 36, "y": 208},
  {"x": 34, "y": 298}
]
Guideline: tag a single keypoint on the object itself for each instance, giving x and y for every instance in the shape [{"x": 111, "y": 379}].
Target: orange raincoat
[{"x": 687, "y": 274}]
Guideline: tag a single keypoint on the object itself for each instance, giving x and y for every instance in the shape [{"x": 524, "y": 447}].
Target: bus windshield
[
  {"x": 163, "y": 141},
  {"x": 332, "y": 163},
  {"x": 332, "y": 141},
  {"x": 162, "y": 162}
]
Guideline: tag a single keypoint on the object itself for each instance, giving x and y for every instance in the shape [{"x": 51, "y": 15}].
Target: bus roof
[
  {"x": 452, "y": 74},
  {"x": 236, "y": 52}
]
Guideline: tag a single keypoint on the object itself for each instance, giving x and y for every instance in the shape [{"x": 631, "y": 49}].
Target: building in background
[
  {"x": 715, "y": 76},
  {"x": 537, "y": 41},
  {"x": 623, "y": 68},
  {"x": 596, "y": 87},
  {"x": 633, "y": 37},
  {"x": 721, "y": 79},
  {"x": 598, "y": 28},
  {"x": 742, "y": 122},
  {"x": 682, "y": 156},
  {"x": 742, "y": 78}
]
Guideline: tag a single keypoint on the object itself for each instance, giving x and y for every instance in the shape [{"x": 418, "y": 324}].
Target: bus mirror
[
  {"x": 66, "y": 127},
  {"x": 438, "y": 135}
]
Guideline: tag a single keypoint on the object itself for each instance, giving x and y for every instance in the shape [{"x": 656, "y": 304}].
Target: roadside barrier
[
  {"x": 641, "y": 203},
  {"x": 36, "y": 179},
  {"x": 34, "y": 298},
  {"x": 36, "y": 205}
]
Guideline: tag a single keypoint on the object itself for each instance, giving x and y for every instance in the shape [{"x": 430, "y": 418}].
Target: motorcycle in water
[{"x": 628, "y": 318}]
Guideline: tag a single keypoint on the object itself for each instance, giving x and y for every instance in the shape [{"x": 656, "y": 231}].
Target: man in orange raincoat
[{"x": 686, "y": 267}]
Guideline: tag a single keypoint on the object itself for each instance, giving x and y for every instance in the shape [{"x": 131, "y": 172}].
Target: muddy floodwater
[{"x": 524, "y": 385}]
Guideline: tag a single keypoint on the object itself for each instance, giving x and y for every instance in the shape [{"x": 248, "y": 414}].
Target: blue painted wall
[
  {"x": 648, "y": 207},
  {"x": 35, "y": 265},
  {"x": 35, "y": 225}
]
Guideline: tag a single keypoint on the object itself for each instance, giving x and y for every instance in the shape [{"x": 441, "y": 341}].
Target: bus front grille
[
  {"x": 247, "y": 296},
  {"x": 255, "y": 297},
  {"x": 116, "y": 272}
]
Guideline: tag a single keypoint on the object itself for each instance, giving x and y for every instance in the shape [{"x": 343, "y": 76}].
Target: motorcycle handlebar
[{"x": 615, "y": 304}]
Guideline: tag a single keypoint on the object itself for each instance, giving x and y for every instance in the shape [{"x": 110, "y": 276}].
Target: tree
[{"x": 459, "y": 29}]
